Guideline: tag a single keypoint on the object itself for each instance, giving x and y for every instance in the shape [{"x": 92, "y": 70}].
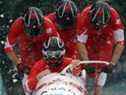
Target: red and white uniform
[
  {"x": 41, "y": 67},
  {"x": 100, "y": 42},
  {"x": 29, "y": 48},
  {"x": 68, "y": 36}
]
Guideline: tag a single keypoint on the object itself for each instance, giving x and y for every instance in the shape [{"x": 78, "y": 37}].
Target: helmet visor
[{"x": 53, "y": 54}]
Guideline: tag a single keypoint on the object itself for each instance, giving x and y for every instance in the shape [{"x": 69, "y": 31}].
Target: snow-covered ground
[
  {"x": 2, "y": 89},
  {"x": 118, "y": 88}
]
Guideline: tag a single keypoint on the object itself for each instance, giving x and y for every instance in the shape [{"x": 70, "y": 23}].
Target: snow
[
  {"x": 2, "y": 15},
  {"x": 15, "y": 80},
  {"x": 2, "y": 42},
  {"x": 11, "y": 20},
  {"x": 2, "y": 89}
]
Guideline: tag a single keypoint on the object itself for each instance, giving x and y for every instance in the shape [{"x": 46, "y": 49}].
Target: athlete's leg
[{"x": 100, "y": 80}]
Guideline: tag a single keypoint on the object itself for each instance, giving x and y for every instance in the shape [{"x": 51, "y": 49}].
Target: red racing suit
[
  {"x": 100, "y": 42},
  {"x": 40, "y": 67},
  {"x": 29, "y": 48},
  {"x": 68, "y": 36}
]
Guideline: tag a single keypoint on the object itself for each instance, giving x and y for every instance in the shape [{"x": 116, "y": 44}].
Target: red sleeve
[
  {"x": 79, "y": 22},
  {"x": 36, "y": 69},
  {"x": 32, "y": 78},
  {"x": 14, "y": 31},
  {"x": 82, "y": 20},
  {"x": 85, "y": 11},
  {"x": 115, "y": 20},
  {"x": 50, "y": 27},
  {"x": 52, "y": 16}
]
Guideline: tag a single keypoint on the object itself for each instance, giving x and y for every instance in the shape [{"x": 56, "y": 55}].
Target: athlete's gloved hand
[
  {"x": 109, "y": 68},
  {"x": 20, "y": 71}
]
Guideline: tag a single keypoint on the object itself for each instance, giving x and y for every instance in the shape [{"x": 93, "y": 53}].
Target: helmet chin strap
[{"x": 56, "y": 64}]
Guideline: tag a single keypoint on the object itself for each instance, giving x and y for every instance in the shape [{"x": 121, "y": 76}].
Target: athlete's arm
[
  {"x": 119, "y": 46},
  {"x": 82, "y": 38},
  {"x": 12, "y": 36}
]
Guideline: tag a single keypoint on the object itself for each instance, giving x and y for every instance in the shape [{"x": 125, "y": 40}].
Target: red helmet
[
  {"x": 53, "y": 51},
  {"x": 33, "y": 20},
  {"x": 66, "y": 14}
]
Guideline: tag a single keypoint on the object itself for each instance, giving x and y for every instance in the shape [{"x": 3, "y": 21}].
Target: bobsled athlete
[
  {"x": 54, "y": 61},
  {"x": 103, "y": 34},
  {"x": 26, "y": 34}
]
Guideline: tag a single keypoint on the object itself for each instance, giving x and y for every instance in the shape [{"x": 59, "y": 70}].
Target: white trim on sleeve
[
  {"x": 82, "y": 38},
  {"x": 119, "y": 35},
  {"x": 7, "y": 44},
  {"x": 49, "y": 30}
]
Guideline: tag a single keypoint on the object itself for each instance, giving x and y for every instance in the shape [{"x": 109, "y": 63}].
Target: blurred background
[{"x": 11, "y": 9}]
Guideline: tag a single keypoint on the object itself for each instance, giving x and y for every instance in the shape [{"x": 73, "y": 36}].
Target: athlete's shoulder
[
  {"x": 17, "y": 24},
  {"x": 47, "y": 20},
  {"x": 114, "y": 14},
  {"x": 86, "y": 10},
  {"x": 19, "y": 21},
  {"x": 50, "y": 27},
  {"x": 51, "y": 15},
  {"x": 115, "y": 18},
  {"x": 17, "y": 27}
]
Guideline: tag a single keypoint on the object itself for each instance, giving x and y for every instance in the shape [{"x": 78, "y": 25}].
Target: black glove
[{"x": 109, "y": 68}]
